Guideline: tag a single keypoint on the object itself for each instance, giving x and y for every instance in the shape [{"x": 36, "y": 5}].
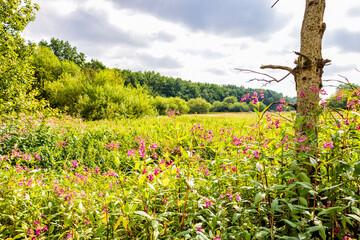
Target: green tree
[
  {"x": 64, "y": 51},
  {"x": 16, "y": 73},
  {"x": 198, "y": 105},
  {"x": 230, "y": 100}
]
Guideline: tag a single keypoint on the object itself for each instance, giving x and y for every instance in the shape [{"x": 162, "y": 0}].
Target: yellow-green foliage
[
  {"x": 16, "y": 74},
  {"x": 94, "y": 94}
]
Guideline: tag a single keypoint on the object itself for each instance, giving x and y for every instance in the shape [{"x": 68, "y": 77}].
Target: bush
[
  {"x": 239, "y": 107},
  {"x": 198, "y": 105}
]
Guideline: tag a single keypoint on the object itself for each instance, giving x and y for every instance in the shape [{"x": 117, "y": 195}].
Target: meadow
[{"x": 220, "y": 176}]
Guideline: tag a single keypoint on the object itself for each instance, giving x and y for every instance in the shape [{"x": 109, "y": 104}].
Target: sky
[{"x": 201, "y": 40}]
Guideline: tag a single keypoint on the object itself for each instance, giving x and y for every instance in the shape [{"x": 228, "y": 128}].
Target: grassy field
[{"x": 216, "y": 176}]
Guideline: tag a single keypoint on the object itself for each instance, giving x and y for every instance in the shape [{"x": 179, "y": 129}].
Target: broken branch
[
  {"x": 289, "y": 69},
  {"x": 267, "y": 81}
]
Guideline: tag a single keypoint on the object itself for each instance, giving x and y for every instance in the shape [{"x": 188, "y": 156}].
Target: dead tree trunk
[{"x": 308, "y": 76}]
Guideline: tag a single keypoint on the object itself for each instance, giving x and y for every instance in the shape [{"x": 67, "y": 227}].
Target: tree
[
  {"x": 198, "y": 105},
  {"x": 308, "y": 75},
  {"x": 64, "y": 51},
  {"x": 16, "y": 74}
]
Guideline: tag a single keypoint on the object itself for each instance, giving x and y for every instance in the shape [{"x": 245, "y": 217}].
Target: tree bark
[{"x": 308, "y": 77}]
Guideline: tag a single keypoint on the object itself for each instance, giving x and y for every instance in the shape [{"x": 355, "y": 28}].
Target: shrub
[{"x": 198, "y": 105}]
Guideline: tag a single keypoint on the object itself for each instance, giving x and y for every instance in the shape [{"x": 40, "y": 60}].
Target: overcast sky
[{"x": 200, "y": 40}]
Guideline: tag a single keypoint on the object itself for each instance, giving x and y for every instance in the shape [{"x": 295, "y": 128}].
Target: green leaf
[
  {"x": 303, "y": 201},
  {"x": 144, "y": 214},
  {"x": 356, "y": 217},
  {"x": 331, "y": 210},
  {"x": 294, "y": 225},
  {"x": 99, "y": 231},
  {"x": 303, "y": 177},
  {"x": 259, "y": 196},
  {"x": 180, "y": 234},
  {"x": 275, "y": 204},
  {"x": 322, "y": 232},
  {"x": 51, "y": 229}
]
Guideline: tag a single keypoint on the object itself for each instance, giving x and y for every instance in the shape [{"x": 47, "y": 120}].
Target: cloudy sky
[{"x": 200, "y": 40}]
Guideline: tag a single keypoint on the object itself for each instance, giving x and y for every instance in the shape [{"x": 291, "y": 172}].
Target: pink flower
[
  {"x": 144, "y": 171},
  {"x": 156, "y": 172},
  {"x": 36, "y": 223},
  {"x": 153, "y": 146},
  {"x": 45, "y": 228},
  {"x": 329, "y": 144},
  {"x": 199, "y": 228},
  {"x": 30, "y": 231},
  {"x": 238, "y": 197},
  {"x": 38, "y": 232},
  {"x": 130, "y": 153},
  {"x": 68, "y": 236},
  {"x": 208, "y": 204},
  {"x": 151, "y": 177},
  {"x": 88, "y": 222},
  {"x": 262, "y": 96},
  {"x": 302, "y": 95}
]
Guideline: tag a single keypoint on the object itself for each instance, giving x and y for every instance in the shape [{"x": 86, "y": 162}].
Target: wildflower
[
  {"x": 221, "y": 196},
  {"x": 144, "y": 171},
  {"x": 262, "y": 96},
  {"x": 88, "y": 222},
  {"x": 68, "y": 236},
  {"x": 130, "y": 153},
  {"x": 329, "y": 144},
  {"x": 302, "y": 95},
  {"x": 156, "y": 172},
  {"x": 151, "y": 177},
  {"x": 208, "y": 204},
  {"x": 36, "y": 223},
  {"x": 45, "y": 228},
  {"x": 30, "y": 231},
  {"x": 38, "y": 231},
  {"x": 153, "y": 146},
  {"x": 199, "y": 228},
  {"x": 238, "y": 197}
]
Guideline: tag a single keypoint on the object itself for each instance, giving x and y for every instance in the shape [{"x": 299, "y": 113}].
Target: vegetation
[
  {"x": 170, "y": 177},
  {"x": 178, "y": 177},
  {"x": 16, "y": 74}
]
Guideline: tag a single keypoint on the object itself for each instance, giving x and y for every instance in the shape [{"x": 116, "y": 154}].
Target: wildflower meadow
[{"x": 180, "y": 177}]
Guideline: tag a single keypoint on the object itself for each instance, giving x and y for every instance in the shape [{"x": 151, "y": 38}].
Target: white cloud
[{"x": 189, "y": 45}]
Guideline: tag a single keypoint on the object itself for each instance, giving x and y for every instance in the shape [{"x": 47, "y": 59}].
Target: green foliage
[
  {"x": 183, "y": 177},
  {"x": 198, "y": 105},
  {"x": 163, "y": 105},
  {"x": 240, "y": 107},
  {"x": 158, "y": 85},
  {"x": 64, "y": 51},
  {"x": 230, "y": 100},
  {"x": 16, "y": 74}
]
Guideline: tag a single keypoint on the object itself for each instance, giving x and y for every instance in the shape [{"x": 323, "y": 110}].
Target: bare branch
[
  {"x": 289, "y": 69},
  {"x": 267, "y": 81},
  {"x": 326, "y": 61},
  {"x": 275, "y": 3}
]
